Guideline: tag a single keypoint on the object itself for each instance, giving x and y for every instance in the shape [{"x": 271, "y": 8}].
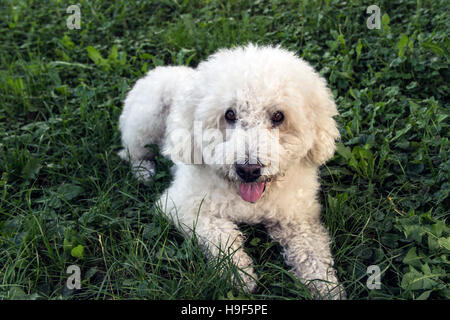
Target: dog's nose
[{"x": 248, "y": 172}]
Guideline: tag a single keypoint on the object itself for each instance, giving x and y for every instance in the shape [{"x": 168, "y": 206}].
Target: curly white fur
[{"x": 255, "y": 82}]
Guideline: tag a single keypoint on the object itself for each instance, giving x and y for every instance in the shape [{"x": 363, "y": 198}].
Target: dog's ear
[
  {"x": 178, "y": 143},
  {"x": 326, "y": 131}
]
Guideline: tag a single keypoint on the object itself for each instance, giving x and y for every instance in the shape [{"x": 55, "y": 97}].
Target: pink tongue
[{"x": 251, "y": 192}]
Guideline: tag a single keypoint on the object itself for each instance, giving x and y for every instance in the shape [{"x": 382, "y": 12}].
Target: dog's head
[{"x": 258, "y": 111}]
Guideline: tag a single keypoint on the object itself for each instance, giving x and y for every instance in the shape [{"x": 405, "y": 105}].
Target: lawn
[{"x": 67, "y": 199}]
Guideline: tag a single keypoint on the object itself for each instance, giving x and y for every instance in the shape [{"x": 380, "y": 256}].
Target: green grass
[{"x": 385, "y": 194}]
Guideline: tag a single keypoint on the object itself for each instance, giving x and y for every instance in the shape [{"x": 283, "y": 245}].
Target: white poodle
[{"x": 247, "y": 131}]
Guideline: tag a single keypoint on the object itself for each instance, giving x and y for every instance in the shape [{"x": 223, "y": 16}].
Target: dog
[{"x": 247, "y": 131}]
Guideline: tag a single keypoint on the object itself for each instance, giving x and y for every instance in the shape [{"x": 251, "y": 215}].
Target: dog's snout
[{"x": 248, "y": 172}]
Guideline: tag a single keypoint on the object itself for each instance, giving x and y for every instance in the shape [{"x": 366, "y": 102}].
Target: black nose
[{"x": 248, "y": 172}]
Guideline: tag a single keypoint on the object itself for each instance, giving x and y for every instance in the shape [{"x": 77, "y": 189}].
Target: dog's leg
[
  {"x": 307, "y": 251},
  {"x": 143, "y": 119},
  {"x": 222, "y": 238}
]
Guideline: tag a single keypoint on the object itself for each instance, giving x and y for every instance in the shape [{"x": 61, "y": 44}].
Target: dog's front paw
[
  {"x": 143, "y": 170},
  {"x": 324, "y": 290},
  {"x": 247, "y": 279}
]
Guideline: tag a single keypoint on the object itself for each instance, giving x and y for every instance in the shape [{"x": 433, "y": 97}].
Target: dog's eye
[
  {"x": 230, "y": 115},
  {"x": 277, "y": 118}
]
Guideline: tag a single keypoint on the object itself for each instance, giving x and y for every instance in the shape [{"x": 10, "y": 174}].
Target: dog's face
[{"x": 262, "y": 110}]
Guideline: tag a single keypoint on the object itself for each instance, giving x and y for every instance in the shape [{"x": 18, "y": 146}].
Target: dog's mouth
[{"x": 251, "y": 191}]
